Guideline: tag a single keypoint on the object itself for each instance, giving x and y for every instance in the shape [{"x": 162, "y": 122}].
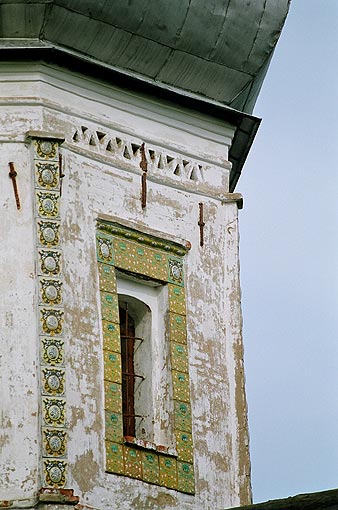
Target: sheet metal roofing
[
  {"x": 325, "y": 500},
  {"x": 217, "y": 50},
  {"x": 209, "y": 55}
]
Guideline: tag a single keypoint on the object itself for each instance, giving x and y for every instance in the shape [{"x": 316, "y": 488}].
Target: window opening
[
  {"x": 128, "y": 348},
  {"x": 145, "y": 362}
]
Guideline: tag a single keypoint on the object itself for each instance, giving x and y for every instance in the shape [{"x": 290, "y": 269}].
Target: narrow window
[
  {"x": 147, "y": 403},
  {"x": 136, "y": 360},
  {"x": 127, "y": 332}
]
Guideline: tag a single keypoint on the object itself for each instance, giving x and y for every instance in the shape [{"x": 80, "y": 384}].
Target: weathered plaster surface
[
  {"x": 96, "y": 185},
  {"x": 19, "y": 407}
]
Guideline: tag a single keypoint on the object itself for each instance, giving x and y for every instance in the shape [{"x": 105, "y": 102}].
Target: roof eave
[{"x": 246, "y": 125}]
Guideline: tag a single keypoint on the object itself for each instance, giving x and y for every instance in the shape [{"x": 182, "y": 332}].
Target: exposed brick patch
[{"x": 61, "y": 496}]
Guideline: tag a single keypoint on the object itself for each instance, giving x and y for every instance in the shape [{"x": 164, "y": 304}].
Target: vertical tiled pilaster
[{"x": 47, "y": 190}]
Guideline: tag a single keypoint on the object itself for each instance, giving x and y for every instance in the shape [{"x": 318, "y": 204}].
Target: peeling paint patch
[
  {"x": 163, "y": 500},
  {"x": 85, "y": 471}
]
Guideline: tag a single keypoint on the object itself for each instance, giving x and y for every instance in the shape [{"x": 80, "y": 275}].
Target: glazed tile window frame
[{"x": 121, "y": 248}]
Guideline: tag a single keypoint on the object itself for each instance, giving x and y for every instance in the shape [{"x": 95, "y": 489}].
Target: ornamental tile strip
[
  {"x": 150, "y": 467},
  {"x": 112, "y": 367},
  {"x": 48, "y": 233},
  {"x": 184, "y": 446},
  {"x": 107, "y": 278},
  {"x": 54, "y": 442},
  {"x": 48, "y": 204},
  {"x": 114, "y": 458},
  {"x": 186, "y": 478},
  {"x": 53, "y": 381},
  {"x": 181, "y": 387},
  {"x": 49, "y": 262},
  {"x": 113, "y": 396},
  {"x": 132, "y": 462},
  {"x": 179, "y": 357},
  {"x": 177, "y": 326},
  {"x": 114, "y": 427},
  {"x": 50, "y": 291},
  {"x": 111, "y": 336},
  {"x": 47, "y": 176},
  {"x": 176, "y": 299},
  {"x": 50, "y": 310},
  {"x": 182, "y": 416},
  {"x": 145, "y": 256},
  {"x": 55, "y": 473},
  {"x": 168, "y": 472},
  {"x": 140, "y": 259},
  {"x": 52, "y": 351},
  {"x": 53, "y": 412}
]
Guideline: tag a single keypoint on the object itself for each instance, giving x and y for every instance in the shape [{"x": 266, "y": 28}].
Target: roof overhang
[
  {"x": 245, "y": 125},
  {"x": 208, "y": 56}
]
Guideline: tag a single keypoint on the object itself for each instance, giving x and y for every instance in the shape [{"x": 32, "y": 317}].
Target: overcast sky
[{"x": 289, "y": 261}]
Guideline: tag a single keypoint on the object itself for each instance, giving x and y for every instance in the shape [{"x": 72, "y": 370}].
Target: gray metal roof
[
  {"x": 210, "y": 55},
  {"x": 218, "y": 50},
  {"x": 312, "y": 501}
]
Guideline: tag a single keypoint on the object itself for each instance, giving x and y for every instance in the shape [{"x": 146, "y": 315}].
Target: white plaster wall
[
  {"x": 19, "y": 404},
  {"x": 97, "y": 184}
]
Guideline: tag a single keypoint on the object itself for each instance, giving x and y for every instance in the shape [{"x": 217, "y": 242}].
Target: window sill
[{"x": 147, "y": 445}]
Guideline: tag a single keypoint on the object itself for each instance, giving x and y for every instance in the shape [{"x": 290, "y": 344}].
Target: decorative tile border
[
  {"x": 50, "y": 308},
  {"x": 147, "y": 256}
]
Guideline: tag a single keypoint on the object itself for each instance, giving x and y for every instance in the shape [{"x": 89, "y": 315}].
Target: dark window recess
[{"x": 128, "y": 339}]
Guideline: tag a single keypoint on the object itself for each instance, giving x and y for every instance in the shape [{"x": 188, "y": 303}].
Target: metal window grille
[{"x": 128, "y": 343}]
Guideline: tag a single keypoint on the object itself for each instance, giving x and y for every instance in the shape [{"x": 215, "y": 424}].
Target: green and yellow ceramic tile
[
  {"x": 176, "y": 299},
  {"x": 54, "y": 412},
  {"x": 50, "y": 291},
  {"x": 48, "y": 204},
  {"x": 52, "y": 351},
  {"x": 47, "y": 175},
  {"x": 54, "y": 442},
  {"x": 51, "y": 321},
  {"x": 186, "y": 478},
  {"x": 53, "y": 381},
  {"x": 157, "y": 268},
  {"x": 49, "y": 262},
  {"x": 132, "y": 462},
  {"x": 177, "y": 325},
  {"x": 184, "y": 446},
  {"x": 48, "y": 233},
  {"x": 46, "y": 149},
  {"x": 145, "y": 260},
  {"x": 114, "y": 458},
  {"x": 109, "y": 307},
  {"x": 168, "y": 472},
  {"x": 122, "y": 253},
  {"x": 113, "y": 396},
  {"x": 182, "y": 416},
  {"x": 181, "y": 386},
  {"x": 104, "y": 248},
  {"x": 150, "y": 467},
  {"x": 175, "y": 271},
  {"x": 107, "y": 278},
  {"x": 114, "y": 427},
  {"x": 111, "y": 336},
  {"x": 179, "y": 357},
  {"x": 140, "y": 259},
  {"x": 112, "y": 366},
  {"x": 55, "y": 473}
]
